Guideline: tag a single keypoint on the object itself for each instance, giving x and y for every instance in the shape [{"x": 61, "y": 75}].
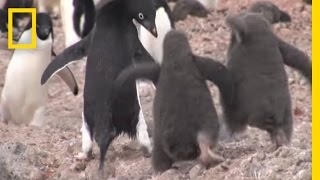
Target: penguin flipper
[
  {"x": 67, "y": 76},
  {"x": 296, "y": 59},
  {"x": 69, "y": 55},
  {"x": 218, "y": 74},
  {"x": 150, "y": 71}
]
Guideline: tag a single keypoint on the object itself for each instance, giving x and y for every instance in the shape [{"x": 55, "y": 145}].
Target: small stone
[
  {"x": 35, "y": 174},
  {"x": 261, "y": 156},
  {"x": 195, "y": 171},
  {"x": 224, "y": 167},
  {"x": 304, "y": 175},
  {"x": 78, "y": 166},
  {"x": 305, "y": 156}
]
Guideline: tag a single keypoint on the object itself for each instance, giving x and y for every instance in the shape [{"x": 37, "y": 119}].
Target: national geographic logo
[{"x": 11, "y": 12}]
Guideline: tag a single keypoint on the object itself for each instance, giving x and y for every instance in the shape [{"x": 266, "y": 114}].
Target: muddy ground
[{"x": 48, "y": 152}]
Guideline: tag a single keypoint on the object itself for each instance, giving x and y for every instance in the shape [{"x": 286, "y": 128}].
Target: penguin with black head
[
  {"x": 111, "y": 46},
  {"x": 256, "y": 58},
  {"x": 183, "y": 8},
  {"x": 23, "y": 99},
  {"x": 152, "y": 44},
  {"x": 186, "y": 122},
  {"x": 270, "y": 11},
  {"x": 164, "y": 23}
]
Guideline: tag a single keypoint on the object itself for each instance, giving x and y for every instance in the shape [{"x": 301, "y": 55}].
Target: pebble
[
  {"x": 304, "y": 175},
  {"x": 195, "y": 171},
  {"x": 78, "y": 166}
]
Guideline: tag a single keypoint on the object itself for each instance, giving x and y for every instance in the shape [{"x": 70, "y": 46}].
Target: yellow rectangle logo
[{"x": 33, "y": 12}]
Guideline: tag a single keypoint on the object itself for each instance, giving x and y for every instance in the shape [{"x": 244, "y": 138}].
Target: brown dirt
[{"x": 51, "y": 149}]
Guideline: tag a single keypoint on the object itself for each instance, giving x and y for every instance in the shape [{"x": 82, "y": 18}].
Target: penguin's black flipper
[
  {"x": 69, "y": 55},
  {"x": 66, "y": 75},
  {"x": 218, "y": 74},
  {"x": 296, "y": 59},
  {"x": 150, "y": 71}
]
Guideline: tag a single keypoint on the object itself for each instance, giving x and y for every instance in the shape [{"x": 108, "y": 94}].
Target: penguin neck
[
  {"x": 163, "y": 20},
  {"x": 26, "y": 38}
]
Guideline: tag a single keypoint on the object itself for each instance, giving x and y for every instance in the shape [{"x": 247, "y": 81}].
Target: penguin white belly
[
  {"x": 155, "y": 45},
  {"x": 23, "y": 98},
  {"x": 67, "y": 9}
]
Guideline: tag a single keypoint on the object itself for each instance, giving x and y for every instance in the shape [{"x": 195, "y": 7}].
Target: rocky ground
[{"x": 48, "y": 152}]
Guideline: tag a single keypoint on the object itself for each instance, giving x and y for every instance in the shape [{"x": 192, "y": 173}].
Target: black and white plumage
[
  {"x": 270, "y": 11},
  {"x": 154, "y": 45},
  {"x": 23, "y": 99},
  {"x": 186, "y": 122},
  {"x": 164, "y": 22},
  {"x": 111, "y": 46},
  {"x": 256, "y": 59}
]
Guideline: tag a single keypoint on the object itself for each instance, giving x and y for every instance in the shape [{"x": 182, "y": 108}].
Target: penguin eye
[{"x": 141, "y": 16}]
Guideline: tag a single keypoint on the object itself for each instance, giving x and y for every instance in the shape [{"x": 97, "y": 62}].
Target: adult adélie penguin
[
  {"x": 23, "y": 99},
  {"x": 112, "y": 45}
]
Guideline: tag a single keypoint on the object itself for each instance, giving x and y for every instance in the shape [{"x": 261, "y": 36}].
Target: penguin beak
[{"x": 151, "y": 27}]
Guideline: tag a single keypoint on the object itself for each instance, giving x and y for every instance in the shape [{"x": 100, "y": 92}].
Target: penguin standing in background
[
  {"x": 183, "y": 8},
  {"x": 111, "y": 46},
  {"x": 83, "y": 10},
  {"x": 270, "y": 11},
  {"x": 72, "y": 14},
  {"x": 23, "y": 98}
]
